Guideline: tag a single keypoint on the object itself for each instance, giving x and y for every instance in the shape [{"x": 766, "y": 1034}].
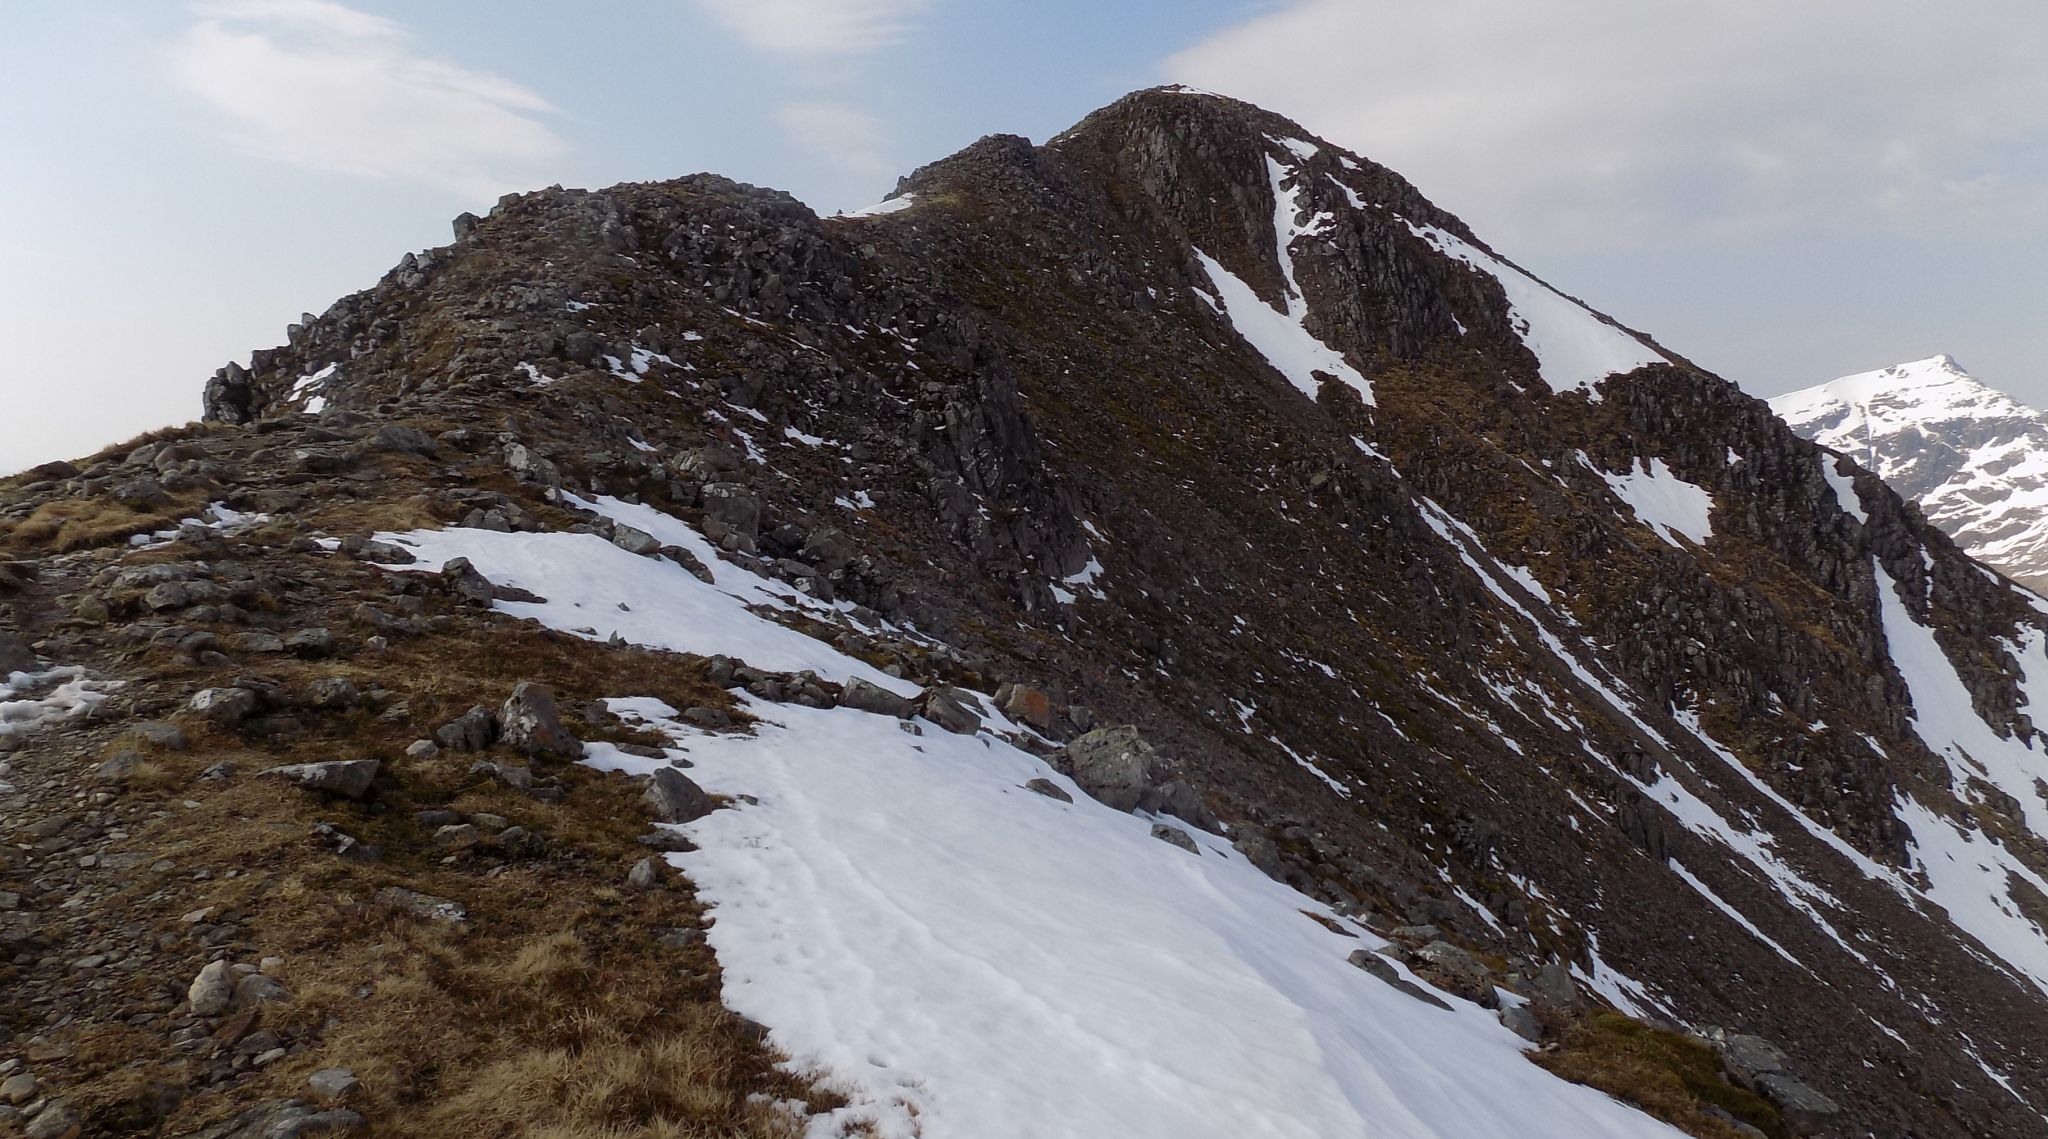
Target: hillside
[
  {"x": 1159, "y": 632},
  {"x": 1973, "y": 458}
]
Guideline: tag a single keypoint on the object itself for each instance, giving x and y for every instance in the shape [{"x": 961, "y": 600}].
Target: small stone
[
  {"x": 119, "y": 769},
  {"x": 1176, "y": 836},
  {"x": 333, "y": 1083},
  {"x": 461, "y": 836},
  {"x": 645, "y": 875},
  {"x": 511, "y": 775},
  {"x": 56, "y": 1121},
  {"x": 265, "y": 1059},
  {"x": 422, "y": 749},
  {"x": 421, "y": 905},
  {"x": 1049, "y": 789},
  {"x": 19, "y": 1089},
  {"x": 158, "y": 733}
]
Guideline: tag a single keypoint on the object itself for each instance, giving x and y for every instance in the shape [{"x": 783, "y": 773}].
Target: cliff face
[{"x": 1490, "y": 626}]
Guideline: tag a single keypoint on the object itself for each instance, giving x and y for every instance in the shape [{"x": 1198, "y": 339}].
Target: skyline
[{"x": 202, "y": 174}]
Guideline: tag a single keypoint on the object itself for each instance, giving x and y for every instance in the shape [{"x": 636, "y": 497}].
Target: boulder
[
  {"x": 225, "y": 706},
  {"x": 952, "y": 709},
  {"x": 1262, "y": 853},
  {"x": 333, "y": 693},
  {"x": 1553, "y": 985},
  {"x": 57, "y": 1120},
  {"x": 212, "y": 990},
  {"x": 1454, "y": 970},
  {"x": 348, "y": 778},
  {"x": 1026, "y": 705},
  {"x": 634, "y": 540},
  {"x": 867, "y": 697},
  {"x": 675, "y": 797},
  {"x": 1380, "y": 967},
  {"x": 1797, "y": 1099},
  {"x": 257, "y": 989},
  {"x": 528, "y": 723},
  {"x": 1747, "y": 1058},
  {"x": 1524, "y": 1023},
  {"x": 1114, "y": 765},
  {"x": 471, "y": 587},
  {"x": 310, "y": 643},
  {"x": 474, "y": 730}
]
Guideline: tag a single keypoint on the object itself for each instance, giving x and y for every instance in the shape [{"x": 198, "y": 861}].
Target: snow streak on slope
[
  {"x": 1282, "y": 336},
  {"x": 594, "y": 589},
  {"x": 1574, "y": 349},
  {"x": 974, "y": 960},
  {"x": 1664, "y": 502},
  {"x": 1970, "y": 874},
  {"x": 1973, "y": 458}
]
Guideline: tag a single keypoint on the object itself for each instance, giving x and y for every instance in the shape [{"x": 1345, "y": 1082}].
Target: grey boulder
[{"x": 348, "y": 778}]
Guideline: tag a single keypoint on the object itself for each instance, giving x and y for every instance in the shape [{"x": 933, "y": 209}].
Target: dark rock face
[{"x": 1416, "y": 658}]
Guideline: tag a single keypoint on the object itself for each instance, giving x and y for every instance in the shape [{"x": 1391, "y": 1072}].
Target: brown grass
[
  {"x": 1669, "y": 1075},
  {"x": 554, "y": 1010},
  {"x": 66, "y": 524}
]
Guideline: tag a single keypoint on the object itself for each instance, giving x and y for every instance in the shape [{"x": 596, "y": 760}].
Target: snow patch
[
  {"x": 1664, "y": 502},
  {"x": 1574, "y": 348},
  {"x": 945, "y": 946}
]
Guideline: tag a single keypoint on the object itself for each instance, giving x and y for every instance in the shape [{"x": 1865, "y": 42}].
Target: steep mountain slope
[
  {"x": 1973, "y": 458},
  {"x": 1449, "y": 619}
]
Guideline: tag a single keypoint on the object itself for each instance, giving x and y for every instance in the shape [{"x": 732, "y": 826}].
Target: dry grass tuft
[
  {"x": 1669, "y": 1075},
  {"x": 66, "y": 524}
]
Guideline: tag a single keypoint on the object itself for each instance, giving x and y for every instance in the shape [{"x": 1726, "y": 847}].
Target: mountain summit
[
  {"x": 1163, "y": 632},
  {"x": 1974, "y": 458}
]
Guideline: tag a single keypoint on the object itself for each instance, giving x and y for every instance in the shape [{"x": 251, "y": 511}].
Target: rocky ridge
[{"x": 1417, "y": 629}]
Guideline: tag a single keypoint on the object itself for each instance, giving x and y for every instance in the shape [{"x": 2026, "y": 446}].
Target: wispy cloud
[
  {"x": 849, "y": 138},
  {"x": 1586, "y": 123},
  {"x": 324, "y": 86},
  {"x": 816, "y": 27}
]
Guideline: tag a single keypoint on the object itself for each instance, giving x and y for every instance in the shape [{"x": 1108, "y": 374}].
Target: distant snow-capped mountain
[{"x": 1974, "y": 458}]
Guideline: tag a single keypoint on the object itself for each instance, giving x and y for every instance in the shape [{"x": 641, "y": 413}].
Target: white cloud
[
  {"x": 849, "y": 138},
  {"x": 1607, "y": 123},
  {"x": 324, "y": 86},
  {"x": 816, "y": 27}
]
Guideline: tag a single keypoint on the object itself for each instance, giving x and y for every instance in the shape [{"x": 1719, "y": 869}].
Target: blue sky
[{"x": 1783, "y": 194}]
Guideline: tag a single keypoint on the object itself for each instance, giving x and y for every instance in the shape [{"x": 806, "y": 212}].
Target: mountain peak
[{"x": 1970, "y": 455}]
